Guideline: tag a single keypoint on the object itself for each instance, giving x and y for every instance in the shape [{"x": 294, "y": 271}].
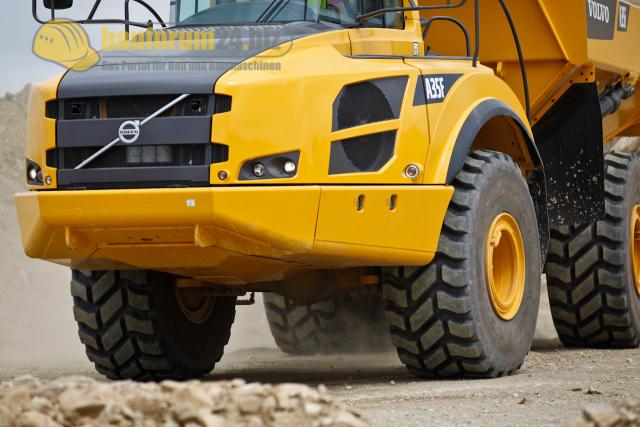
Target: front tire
[
  {"x": 138, "y": 325},
  {"x": 456, "y": 317}
]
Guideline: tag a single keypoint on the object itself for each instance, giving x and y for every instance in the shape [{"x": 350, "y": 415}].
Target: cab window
[{"x": 345, "y": 11}]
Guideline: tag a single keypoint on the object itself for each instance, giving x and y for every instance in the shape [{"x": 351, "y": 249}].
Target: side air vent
[
  {"x": 369, "y": 102},
  {"x": 223, "y": 104},
  {"x": 368, "y": 153}
]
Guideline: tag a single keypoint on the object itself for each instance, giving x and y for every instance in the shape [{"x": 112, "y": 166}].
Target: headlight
[
  {"x": 289, "y": 167},
  {"x": 34, "y": 173}
]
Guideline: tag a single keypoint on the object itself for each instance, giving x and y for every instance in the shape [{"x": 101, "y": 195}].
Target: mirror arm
[
  {"x": 94, "y": 9},
  {"x": 152, "y": 11},
  {"x": 90, "y": 20},
  {"x": 34, "y": 12}
]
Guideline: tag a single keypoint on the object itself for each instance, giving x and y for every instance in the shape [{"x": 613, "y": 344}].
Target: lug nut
[
  {"x": 289, "y": 167},
  {"x": 258, "y": 170},
  {"x": 412, "y": 171}
]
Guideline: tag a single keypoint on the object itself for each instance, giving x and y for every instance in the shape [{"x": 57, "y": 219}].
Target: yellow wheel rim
[
  {"x": 505, "y": 266},
  {"x": 635, "y": 246},
  {"x": 195, "y": 304}
]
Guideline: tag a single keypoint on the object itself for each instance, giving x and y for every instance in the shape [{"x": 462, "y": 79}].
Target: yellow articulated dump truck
[{"x": 423, "y": 159}]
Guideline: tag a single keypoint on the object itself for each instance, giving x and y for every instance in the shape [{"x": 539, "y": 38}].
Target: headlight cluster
[{"x": 272, "y": 167}]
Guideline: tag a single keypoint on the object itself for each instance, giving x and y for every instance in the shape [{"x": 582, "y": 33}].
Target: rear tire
[
  {"x": 348, "y": 322},
  {"x": 302, "y": 329},
  {"x": 590, "y": 267},
  {"x": 441, "y": 316},
  {"x": 134, "y": 326}
]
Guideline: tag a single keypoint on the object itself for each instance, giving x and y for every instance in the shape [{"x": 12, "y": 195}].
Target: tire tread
[{"x": 586, "y": 280}]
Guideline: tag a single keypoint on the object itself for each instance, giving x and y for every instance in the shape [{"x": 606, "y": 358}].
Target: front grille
[
  {"x": 171, "y": 151},
  {"x": 136, "y": 156},
  {"x": 121, "y": 107}
]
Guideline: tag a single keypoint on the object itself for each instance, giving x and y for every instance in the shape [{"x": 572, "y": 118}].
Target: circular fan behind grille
[{"x": 360, "y": 104}]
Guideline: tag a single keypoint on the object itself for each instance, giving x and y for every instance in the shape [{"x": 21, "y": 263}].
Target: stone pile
[
  {"x": 81, "y": 401},
  {"x": 625, "y": 414}
]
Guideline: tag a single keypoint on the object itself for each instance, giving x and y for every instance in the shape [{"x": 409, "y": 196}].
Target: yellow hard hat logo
[{"x": 65, "y": 43}]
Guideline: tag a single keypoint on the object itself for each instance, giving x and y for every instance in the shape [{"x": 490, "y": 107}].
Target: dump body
[{"x": 560, "y": 47}]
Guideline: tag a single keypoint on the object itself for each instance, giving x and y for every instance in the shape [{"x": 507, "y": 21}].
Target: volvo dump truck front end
[{"x": 340, "y": 155}]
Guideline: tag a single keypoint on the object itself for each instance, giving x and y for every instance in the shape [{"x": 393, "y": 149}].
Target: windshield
[{"x": 225, "y": 12}]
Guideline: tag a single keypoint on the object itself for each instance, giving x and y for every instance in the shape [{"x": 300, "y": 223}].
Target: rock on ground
[
  {"x": 81, "y": 401},
  {"x": 607, "y": 415}
]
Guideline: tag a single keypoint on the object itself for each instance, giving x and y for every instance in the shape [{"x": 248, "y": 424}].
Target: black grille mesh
[
  {"x": 184, "y": 155},
  {"x": 362, "y": 103},
  {"x": 368, "y": 153},
  {"x": 121, "y": 107}
]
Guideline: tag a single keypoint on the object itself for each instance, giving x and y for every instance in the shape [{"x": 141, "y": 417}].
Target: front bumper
[{"x": 235, "y": 235}]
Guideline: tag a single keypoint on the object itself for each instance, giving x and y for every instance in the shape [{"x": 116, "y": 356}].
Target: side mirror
[{"x": 58, "y": 4}]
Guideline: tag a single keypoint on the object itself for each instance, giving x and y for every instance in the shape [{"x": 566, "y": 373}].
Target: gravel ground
[{"x": 552, "y": 388}]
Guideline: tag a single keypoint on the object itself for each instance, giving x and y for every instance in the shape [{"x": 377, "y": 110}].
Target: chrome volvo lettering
[{"x": 599, "y": 11}]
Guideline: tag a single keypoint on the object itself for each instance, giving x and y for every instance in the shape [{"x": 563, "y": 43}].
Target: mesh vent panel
[
  {"x": 368, "y": 153},
  {"x": 362, "y": 103}
]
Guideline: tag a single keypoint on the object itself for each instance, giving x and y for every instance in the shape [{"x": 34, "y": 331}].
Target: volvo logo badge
[{"x": 129, "y": 131}]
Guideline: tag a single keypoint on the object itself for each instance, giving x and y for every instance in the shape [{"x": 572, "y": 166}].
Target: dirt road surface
[{"x": 551, "y": 389}]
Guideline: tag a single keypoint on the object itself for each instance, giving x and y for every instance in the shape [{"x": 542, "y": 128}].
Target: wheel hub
[
  {"x": 195, "y": 304},
  {"x": 635, "y": 246},
  {"x": 505, "y": 266}
]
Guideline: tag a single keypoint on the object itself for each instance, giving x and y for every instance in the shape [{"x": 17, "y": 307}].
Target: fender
[
  {"x": 472, "y": 126},
  {"x": 477, "y": 119}
]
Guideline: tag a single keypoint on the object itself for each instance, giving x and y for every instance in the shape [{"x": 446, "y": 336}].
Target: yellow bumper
[{"x": 235, "y": 235}]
